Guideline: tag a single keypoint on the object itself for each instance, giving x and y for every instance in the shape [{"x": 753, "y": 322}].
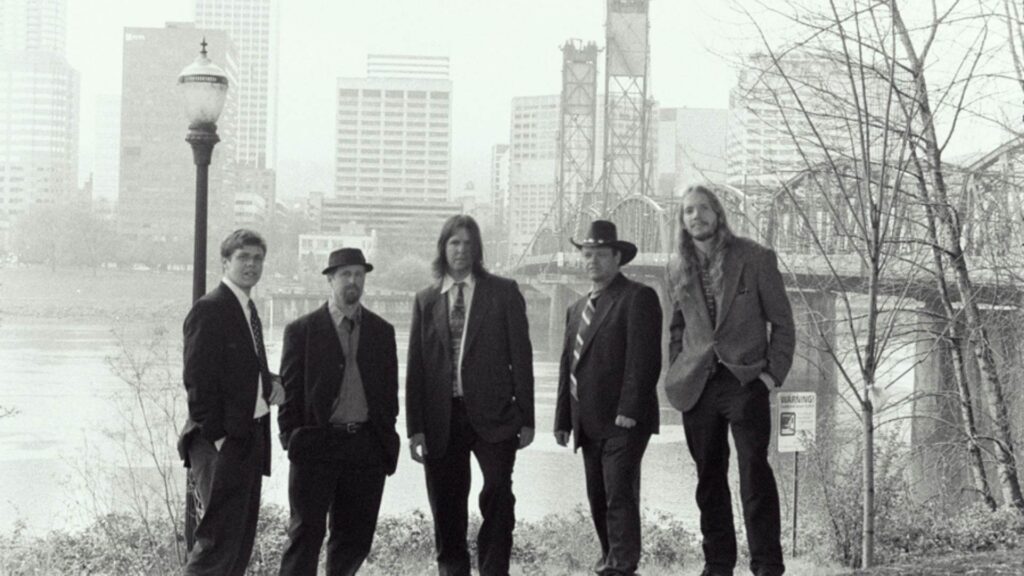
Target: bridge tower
[
  {"x": 626, "y": 171},
  {"x": 576, "y": 136}
]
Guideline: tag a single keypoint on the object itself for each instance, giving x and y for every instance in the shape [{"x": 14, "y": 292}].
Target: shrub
[{"x": 830, "y": 528}]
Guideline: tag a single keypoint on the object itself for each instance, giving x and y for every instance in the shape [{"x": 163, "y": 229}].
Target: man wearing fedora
[
  {"x": 469, "y": 390},
  {"x": 340, "y": 371},
  {"x": 607, "y": 397}
]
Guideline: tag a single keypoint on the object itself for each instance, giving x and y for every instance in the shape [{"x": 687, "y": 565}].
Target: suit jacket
[
  {"x": 753, "y": 297},
  {"x": 312, "y": 368},
  {"x": 497, "y": 364},
  {"x": 619, "y": 364},
  {"x": 221, "y": 372}
]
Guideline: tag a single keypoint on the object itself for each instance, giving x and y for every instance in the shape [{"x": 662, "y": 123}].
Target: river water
[{"x": 61, "y": 455}]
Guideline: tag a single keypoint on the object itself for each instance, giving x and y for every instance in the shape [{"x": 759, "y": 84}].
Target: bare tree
[
  {"x": 848, "y": 86},
  {"x": 939, "y": 205},
  {"x": 845, "y": 210}
]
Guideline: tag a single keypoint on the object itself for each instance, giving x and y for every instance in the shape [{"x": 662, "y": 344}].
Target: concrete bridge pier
[
  {"x": 560, "y": 297},
  {"x": 938, "y": 445},
  {"x": 814, "y": 369}
]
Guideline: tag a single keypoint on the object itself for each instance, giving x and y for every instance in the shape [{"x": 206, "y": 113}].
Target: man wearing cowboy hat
[
  {"x": 340, "y": 371},
  {"x": 607, "y": 394}
]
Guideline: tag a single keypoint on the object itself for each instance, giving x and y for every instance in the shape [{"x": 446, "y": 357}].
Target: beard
[{"x": 351, "y": 295}]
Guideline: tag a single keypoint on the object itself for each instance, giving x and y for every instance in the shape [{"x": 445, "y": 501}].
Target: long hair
[
  {"x": 689, "y": 265},
  {"x": 451, "y": 225}
]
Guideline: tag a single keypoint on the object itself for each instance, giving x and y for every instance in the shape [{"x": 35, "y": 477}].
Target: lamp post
[{"x": 204, "y": 87}]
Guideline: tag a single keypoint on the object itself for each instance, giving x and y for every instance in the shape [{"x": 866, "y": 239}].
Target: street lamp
[{"x": 204, "y": 86}]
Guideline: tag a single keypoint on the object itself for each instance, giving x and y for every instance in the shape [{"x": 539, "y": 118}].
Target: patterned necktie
[
  {"x": 709, "y": 294},
  {"x": 581, "y": 335},
  {"x": 456, "y": 323},
  {"x": 261, "y": 351}
]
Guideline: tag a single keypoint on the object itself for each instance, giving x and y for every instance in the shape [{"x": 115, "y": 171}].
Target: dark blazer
[
  {"x": 497, "y": 364},
  {"x": 221, "y": 371},
  {"x": 312, "y": 368},
  {"x": 619, "y": 364},
  {"x": 753, "y": 297}
]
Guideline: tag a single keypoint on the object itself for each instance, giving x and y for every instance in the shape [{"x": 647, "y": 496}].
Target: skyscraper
[
  {"x": 107, "y": 155},
  {"x": 533, "y": 161},
  {"x": 39, "y": 94},
  {"x": 690, "y": 148},
  {"x": 252, "y": 27},
  {"x": 393, "y": 145},
  {"x": 157, "y": 190},
  {"x": 33, "y": 25},
  {"x": 774, "y": 135}
]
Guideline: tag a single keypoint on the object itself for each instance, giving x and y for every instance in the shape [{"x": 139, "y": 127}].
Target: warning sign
[{"x": 797, "y": 416}]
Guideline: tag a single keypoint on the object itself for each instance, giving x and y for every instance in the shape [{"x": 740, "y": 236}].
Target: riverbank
[{"x": 38, "y": 292}]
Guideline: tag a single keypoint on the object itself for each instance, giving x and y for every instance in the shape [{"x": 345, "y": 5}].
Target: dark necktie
[
  {"x": 581, "y": 336},
  {"x": 456, "y": 323},
  {"x": 347, "y": 328},
  {"x": 261, "y": 351}
]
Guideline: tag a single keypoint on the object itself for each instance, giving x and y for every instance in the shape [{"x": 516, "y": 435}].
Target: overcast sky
[{"x": 498, "y": 49}]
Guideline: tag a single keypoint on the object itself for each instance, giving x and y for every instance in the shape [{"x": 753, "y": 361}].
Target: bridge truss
[
  {"x": 576, "y": 137},
  {"x": 626, "y": 166}
]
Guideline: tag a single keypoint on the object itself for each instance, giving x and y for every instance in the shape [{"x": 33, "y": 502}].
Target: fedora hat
[
  {"x": 603, "y": 233},
  {"x": 347, "y": 257}
]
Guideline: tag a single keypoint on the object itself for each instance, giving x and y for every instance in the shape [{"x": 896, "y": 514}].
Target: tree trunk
[
  {"x": 953, "y": 343},
  {"x": 981, "y": 347},
  {"x": 867, "y": 554}
]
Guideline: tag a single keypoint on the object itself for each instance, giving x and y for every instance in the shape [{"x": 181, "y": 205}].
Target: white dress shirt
[{"x": 262, "y": 409}]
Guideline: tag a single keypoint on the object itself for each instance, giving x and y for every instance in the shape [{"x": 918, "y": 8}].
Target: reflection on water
[{"x": 56, "y": 374}]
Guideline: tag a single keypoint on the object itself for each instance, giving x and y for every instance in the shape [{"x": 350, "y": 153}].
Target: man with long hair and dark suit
[
  {"x": 469, "y": 389},
  {"x": 732, "y": 342},
  {"x": 607, "y": 391},
  {"x": 340, "y": 370},
  {"x": 230, "y": 389}
]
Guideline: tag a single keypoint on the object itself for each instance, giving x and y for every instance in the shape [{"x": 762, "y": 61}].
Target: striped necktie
[
  {"x": 456, "y": 323},
  {"x": 261, "y": 350},
  {"x": 581, "y": 336}
]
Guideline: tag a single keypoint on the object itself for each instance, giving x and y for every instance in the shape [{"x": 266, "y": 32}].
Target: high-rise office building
[
  {"x": 252, "y": 27},
  {"x": 107, "y": 154},
  {"x": 393, "y": 147},
  {"x": 39, "y": 94},
  {"x": 33, "y": 25},
  {"x": 157, "y": 188},
  {"x": 691, "y": 148},
  {"x": 773, "y": 135},
  {"x": 532, "y": 166}
]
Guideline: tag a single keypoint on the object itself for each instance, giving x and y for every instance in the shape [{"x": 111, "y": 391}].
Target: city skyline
[{"x": 487, "y": 48}]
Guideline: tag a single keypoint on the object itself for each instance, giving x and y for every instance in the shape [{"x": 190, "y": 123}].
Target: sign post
[{"x": 796, "y": 426}]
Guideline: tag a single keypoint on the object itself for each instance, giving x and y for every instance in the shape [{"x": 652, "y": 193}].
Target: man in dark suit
[
  {"x": 728, "y": 292},
  {"x": 469, "y": 389},
  {"x": 607, "y": 396},
  {"x": 340, "y": 370},
  {"x": 230, "y": 390}
]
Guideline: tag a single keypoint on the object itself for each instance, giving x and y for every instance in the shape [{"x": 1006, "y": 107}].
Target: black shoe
[{"x": 710, "y": 571}]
